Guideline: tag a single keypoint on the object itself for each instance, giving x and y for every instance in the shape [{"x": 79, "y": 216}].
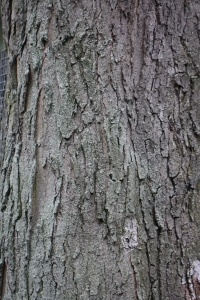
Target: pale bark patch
[
  {"x": 130, "y": 237},
  {"x": 193, "y": 281}
]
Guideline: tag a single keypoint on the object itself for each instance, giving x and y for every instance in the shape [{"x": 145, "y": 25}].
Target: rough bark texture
[{"x": 100, "y": 178}]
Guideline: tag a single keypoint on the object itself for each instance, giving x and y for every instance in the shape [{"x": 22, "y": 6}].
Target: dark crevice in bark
[
  {"x": 3, "y": 274},
  {"x": 9, "y": 18}
]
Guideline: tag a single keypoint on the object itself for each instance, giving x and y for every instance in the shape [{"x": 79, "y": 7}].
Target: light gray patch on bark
[
  {"x": 192, "y": 281},
  {"x": 130, "y": 237}
]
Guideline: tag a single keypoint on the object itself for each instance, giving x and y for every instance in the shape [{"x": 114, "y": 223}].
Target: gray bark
[{"x": 100, "y": 175}]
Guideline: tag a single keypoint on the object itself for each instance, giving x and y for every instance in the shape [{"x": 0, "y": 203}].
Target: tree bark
[{"x": 100, "y": 178}]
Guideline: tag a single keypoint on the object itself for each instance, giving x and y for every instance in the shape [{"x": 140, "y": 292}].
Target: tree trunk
[{"x": 100, "y": 176}]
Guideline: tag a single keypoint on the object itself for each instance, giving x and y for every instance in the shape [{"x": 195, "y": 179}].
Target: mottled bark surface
[{"x": 100, "y": 178}]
